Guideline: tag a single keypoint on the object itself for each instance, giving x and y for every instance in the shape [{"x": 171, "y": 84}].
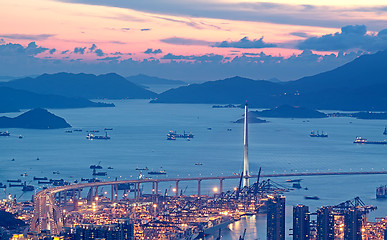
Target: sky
[{"x": 191, "y": 40}]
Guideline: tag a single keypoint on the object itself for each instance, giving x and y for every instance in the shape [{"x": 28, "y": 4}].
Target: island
[
  {"x": 286, "y": 111},
  {"x": 38, "y": 118},
  {"x": 251, "y": 119}
]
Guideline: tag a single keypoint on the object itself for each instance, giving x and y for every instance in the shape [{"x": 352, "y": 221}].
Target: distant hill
[
  {"x": 286, "y": 111},
  {"x": 145, "y": 80},
  {"x": 89, "y": 86},
  {"x": 358, "y": 85},
  {"x": 36, "y": 119},
  {"x": 230, "y": 90},
  {"x": 12, "y": 100}
]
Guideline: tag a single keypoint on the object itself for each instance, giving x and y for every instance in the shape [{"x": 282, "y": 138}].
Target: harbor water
[{"x": 138, "y": 139}]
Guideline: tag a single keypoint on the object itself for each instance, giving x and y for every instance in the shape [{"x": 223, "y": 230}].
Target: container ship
[{"x": 361, "y": 140}]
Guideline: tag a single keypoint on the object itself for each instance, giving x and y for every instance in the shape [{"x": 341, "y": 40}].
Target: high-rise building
[
  {"x": 301, "y": 222},
  {"x": 276, "y": 218},
  {"x": 325, "y": 224},
  {"x": 353, "y": 224}
]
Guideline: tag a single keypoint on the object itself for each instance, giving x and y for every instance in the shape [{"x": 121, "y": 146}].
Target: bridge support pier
[
  {"x": 199, "y": 182},
  {"x": 116, "y": 191},
  {"x": 221, "y": 186},
  {"x": 112, "y": 193},
  {"x": 177, "y": 188}
]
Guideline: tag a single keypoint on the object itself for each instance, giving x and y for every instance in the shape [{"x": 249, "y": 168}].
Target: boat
[
  {"x": 24, "y": 174},
  {"x": 110, "y": 168},
  {"x": 173, "y": 134},
  {"x": 68, "y": 131},
  {"x": 77, "y": 130},
  {"x": 13, "y": 160},
  {"x": 40, "y": 178},
  {"x": 312, "y": 197},
  {"x": 381, "y": 192},
  {"x": 91, "y": 137},
  {"x": 323, "y": 135},
  {"x": 161, "y": 172},
  {"x": 4, "y": 134},
  {"x": 20, "y": 136},
  {"x": 13, "y": 180},
  {"x": 95, "y": 173},
  {"x": 28, "y": 188},
  {"x": 361, "y": 140},
  {"x": 293, "y": 180},
  {"x": 96, "y": 166},
  {"x": 385, "y": 131},
  {"x": 2, "y": 185},
  {"x": 16, "y": 185},
  {"x": 198, "y": 164},
  {"x": 56, "y": 172},
  {"x": 44, "y": 182},
  {"x": 108, "y": 129},
  {"x": 93, "y": 131},
  {"x": 142, "y": 169}
]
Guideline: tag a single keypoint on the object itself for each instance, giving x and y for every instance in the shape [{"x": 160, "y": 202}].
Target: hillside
[
  {"x": 12, "y": 100},
  {"x": 36, "y": 119},
  {"x": 89, "y": 86},
  {"x": 358, "y": 85},
  {"x": 230, "y": 90}
]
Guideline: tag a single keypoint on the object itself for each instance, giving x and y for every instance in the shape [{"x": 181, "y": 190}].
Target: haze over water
[{"x": 138, "y": 139}]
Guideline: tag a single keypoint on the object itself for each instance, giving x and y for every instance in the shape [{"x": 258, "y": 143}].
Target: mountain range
[
  {"x": 358, "y": 85},
  {"x": 88, "y": 86},
  {"x": 12, "y": 100}
]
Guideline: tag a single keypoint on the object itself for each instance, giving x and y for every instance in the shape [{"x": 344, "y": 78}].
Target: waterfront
[{"x": 139, "y": 140}]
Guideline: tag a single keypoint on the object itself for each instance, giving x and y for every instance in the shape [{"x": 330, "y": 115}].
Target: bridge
[{"x": 48, "y": 214}]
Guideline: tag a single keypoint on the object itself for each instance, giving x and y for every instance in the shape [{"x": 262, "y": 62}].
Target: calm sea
[{"x": 138, "y": 139}]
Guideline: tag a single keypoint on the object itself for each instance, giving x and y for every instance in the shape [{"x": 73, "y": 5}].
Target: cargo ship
[
  {"x": 91, "y": 137},
  {"x": 5, "y": 134},
  {"x": 361, "y": 140},
  {"x": 175, "y": 135},
  {"x": 381, "y": 192},
  {"x": 161, "y": 172}
]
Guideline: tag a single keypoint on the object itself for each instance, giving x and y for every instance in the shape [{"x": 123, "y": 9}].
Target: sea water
[{"x": 138, "y": 139}]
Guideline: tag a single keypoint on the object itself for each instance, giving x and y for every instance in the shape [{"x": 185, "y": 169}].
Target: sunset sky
[{"x": 190, "y": 39}]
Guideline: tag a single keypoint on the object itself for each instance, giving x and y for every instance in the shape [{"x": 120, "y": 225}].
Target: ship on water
[
  {"x": 323, "y": 135},
  {"x": 92, "y": 137},
  {"x": 161, "y": 172},
  {"x": 361, "y": 140},
  {"x": 4, "y": 134},
  {"x": 381, "y": 192},
  {"x": 172, "y": 135},
  {"x": 385, "y": 131}
]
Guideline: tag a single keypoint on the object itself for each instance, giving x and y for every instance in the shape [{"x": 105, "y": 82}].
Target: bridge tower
[{"x": 246, "y": 174}]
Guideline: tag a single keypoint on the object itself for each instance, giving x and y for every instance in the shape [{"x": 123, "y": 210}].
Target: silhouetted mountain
[
  {"x": 37, "y": 119},
  {"x": 145, "y": 80},
  {"x": 230, "y": 90},
  {"x": 90, "y": 86},
  {"x": 286, "y": 111},
  {"x": 358, "y": 85},
  {"x": 12, "y": 100}
]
